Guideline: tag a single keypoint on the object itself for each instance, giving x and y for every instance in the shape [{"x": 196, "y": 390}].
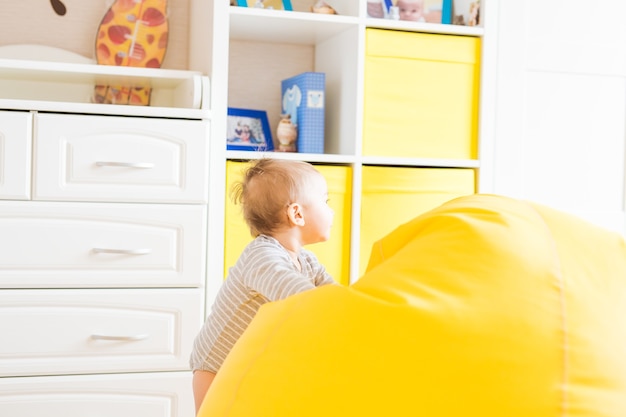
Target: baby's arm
[
  {"x": 277, "y": 282},
  {"x": 201, "y": 382},
  {"x": 322, "y": 277},
  {"x": 274, "y": 276}
]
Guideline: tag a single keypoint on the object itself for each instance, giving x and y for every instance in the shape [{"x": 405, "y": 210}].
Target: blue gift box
[{"x": 303, "y": 100}]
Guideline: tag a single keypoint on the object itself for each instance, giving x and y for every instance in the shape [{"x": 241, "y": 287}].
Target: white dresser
[{"x": 102, "y": 263}]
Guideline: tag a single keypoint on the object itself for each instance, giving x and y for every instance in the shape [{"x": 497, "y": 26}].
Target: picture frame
[
  {"x": 248, "y": 130},
  {"x": 267, "y": 4},
  {"x": 466, "y": 12},
  {"x": 421, "y": 11}
]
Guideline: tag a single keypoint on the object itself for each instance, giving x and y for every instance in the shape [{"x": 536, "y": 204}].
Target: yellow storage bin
[
  {"x": 392, "y": 196},
  {"x": 421, "y": 95},
  {"x": 236, "y": 232},
  {"x": 333, "y": 254}
]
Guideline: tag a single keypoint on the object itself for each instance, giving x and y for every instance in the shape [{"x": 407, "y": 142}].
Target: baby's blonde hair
[{"x": 268, "y": 187}]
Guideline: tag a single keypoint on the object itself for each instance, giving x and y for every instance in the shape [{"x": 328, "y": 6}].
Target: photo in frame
[
  {"x": 266, "y": 4},
  {"x": 425, "y": 11},
  {"x": 248, "y": 130},
  {"x": 466, "y": 12}
]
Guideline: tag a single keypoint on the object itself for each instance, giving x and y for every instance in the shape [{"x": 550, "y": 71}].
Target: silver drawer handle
[
  {"x": 142, "y": 165},
  {"x": 123, "y": 251},
  {"x": 119, "y": 338}
]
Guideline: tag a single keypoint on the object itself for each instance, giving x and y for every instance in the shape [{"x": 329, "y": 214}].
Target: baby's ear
[{"x": 294, "y": 212}]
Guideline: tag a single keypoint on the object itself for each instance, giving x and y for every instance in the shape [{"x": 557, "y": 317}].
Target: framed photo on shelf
[
  {"x": 466, "y": 12},
  {"x": 266, "y": 4},
  {"x": 248, "y": 130},
  {"x": 428, "y": 11}
]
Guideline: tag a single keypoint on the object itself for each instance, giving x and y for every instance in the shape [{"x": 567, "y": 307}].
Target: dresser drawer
[
  {"x": 15, "y": 150},
  {"x": 79, "y": 245},
  {"x": 165, "y": 394},
  {"x": 49, "y": 332},
  {"x": 127, "y": 159}
]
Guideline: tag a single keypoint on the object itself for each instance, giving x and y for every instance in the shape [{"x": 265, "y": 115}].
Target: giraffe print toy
[{"x": 132, "y": 33}]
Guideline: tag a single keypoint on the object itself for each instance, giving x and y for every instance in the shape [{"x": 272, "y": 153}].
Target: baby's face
[{"x": 411, "y": 9}]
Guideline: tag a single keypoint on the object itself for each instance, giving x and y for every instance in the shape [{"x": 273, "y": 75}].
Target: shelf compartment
[
  {"x": 334, "y": 254},
  {"x": 279, "y": 26},
  {"x": 284, "y": 44},
  {"x": 57, "y": 86}
]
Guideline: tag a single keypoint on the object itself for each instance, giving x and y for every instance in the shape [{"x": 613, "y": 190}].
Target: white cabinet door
[
  {"x": 81, "y": 245},
  {"x": 15, "y": 150},
  {"x": 128, "y": 159},
  {"x": 161, "y": 394},
  {"x": 49, "y": 332}
]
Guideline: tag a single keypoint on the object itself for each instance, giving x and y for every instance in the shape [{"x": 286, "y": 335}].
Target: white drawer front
[
  {"x": 100, "y": 158},
  {"x": 15, "y": 150},
  {"x": 49, "y": 332},
  {"x": 79, "y": 245},
  {"x": 119, "y": 395}
]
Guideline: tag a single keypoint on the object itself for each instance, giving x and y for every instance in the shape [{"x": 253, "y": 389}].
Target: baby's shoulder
[
  {"x": 261, "y": 247},
  {"x": 308, "y": 256},
  {"x": 264, "y": 242}
]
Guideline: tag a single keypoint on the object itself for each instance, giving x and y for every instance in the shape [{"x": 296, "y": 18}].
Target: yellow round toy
[{"x": 483, "y": 307}]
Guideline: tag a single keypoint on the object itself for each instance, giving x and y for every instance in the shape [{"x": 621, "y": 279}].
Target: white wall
[{"x": 561, "y": 106}]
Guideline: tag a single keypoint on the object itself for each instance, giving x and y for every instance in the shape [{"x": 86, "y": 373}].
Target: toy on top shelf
[
  {"x": 132, "y": 33},
  {"x": 466, "y": 12},
  {"x": 323, "y": 8},
  {"x": 286, "y": 133}
]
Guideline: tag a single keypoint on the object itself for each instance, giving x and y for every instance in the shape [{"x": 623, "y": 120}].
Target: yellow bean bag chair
[{"x": 485, "y": 306}]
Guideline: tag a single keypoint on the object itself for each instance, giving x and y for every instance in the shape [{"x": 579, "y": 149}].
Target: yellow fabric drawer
[
  {"x": 236, "y": 232},
  {"x": 392, "y": 196},
  {"x": 421, "y": 95},
  {"x": 333, "y": 254}
]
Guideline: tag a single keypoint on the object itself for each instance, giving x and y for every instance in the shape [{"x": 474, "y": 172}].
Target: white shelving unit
[{"x": 266, "y": 46}]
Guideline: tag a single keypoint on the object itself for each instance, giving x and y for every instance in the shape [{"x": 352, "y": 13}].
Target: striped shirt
[{"x": 264, "y": 272}]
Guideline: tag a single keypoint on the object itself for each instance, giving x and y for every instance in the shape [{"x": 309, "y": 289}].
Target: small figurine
[
  {"x": 286, "y": 133},
  {"x": 394, "y": 13},
  {"x": 474, "y": 14},
  {"x": 323, "y": 8}
]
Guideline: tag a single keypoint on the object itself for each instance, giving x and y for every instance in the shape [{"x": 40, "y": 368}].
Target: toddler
[{"x": 285, "y": 205}]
